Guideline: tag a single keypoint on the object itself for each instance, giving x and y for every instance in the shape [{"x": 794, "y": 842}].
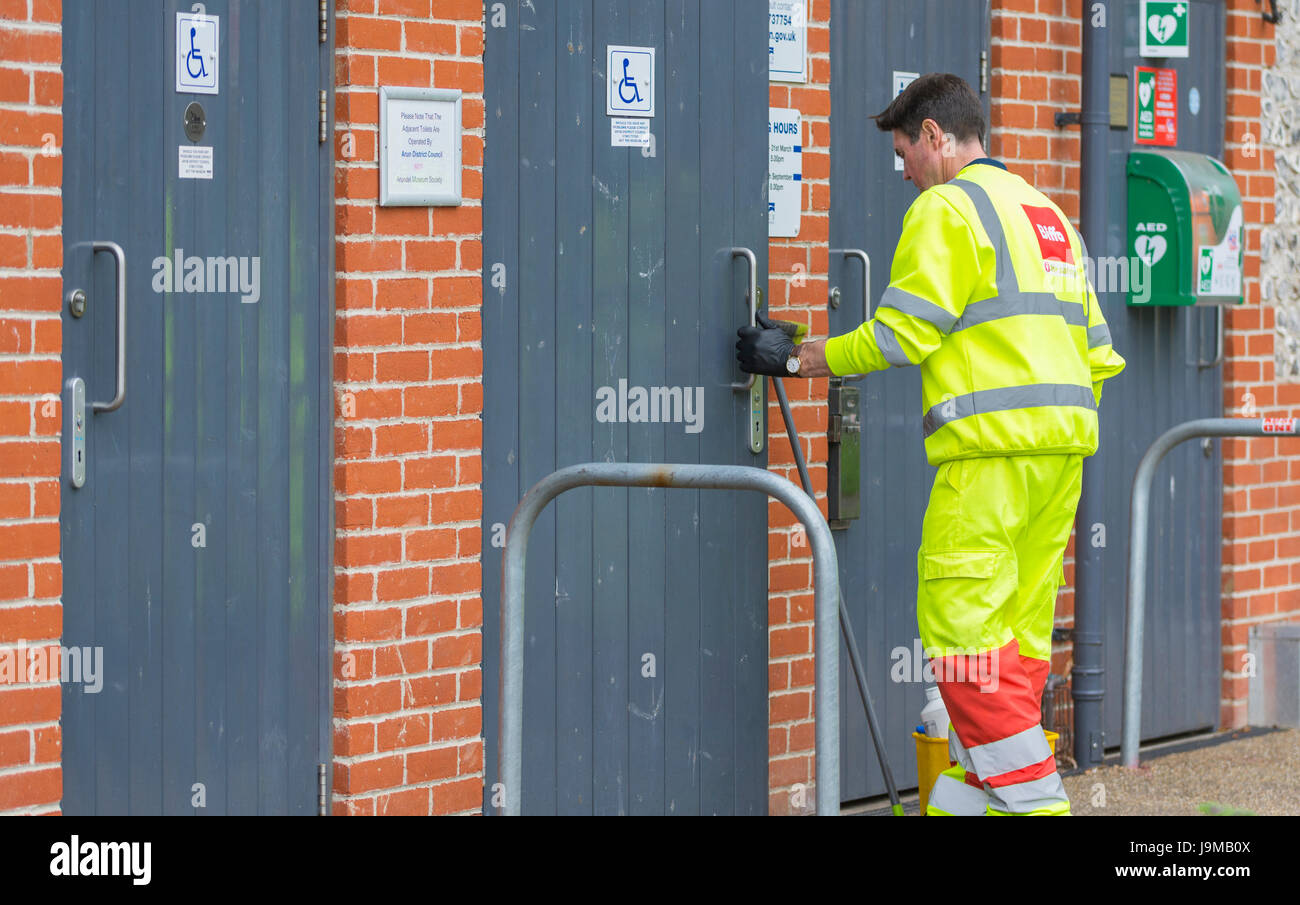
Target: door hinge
[
  {"x": 984, "y": 72},
  {"x": 322, "y": 792},
  {"x": 324, "y": 21},
  {"x": 324, "y": 117}
]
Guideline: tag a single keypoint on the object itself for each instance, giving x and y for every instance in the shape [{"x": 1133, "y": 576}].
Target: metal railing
[
  {"x": 697, "y": 477},
  {"x": 1139, "y": 518}
]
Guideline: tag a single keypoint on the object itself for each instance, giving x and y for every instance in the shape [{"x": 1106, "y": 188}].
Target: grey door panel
[
  {"x": 197, "y": 553},
  {"x": 617, "y": 267}
]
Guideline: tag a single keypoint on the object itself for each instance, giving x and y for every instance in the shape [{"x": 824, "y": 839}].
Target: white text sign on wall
[
  {"x": 787, "y": 40},
  {"x": 419, "y": 154},
  {"x": 784, "y": 172}
]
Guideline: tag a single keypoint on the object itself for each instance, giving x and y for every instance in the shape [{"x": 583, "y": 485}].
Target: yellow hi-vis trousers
[{"x": 988, "y": 571}]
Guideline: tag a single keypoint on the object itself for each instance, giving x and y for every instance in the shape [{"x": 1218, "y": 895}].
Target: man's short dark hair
[{"x": 940, "y": 96}]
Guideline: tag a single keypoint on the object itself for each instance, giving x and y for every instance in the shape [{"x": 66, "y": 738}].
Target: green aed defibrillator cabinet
[{"x": 1185, "y": 236}]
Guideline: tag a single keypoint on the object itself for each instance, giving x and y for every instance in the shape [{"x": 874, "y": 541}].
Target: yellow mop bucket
[{"x": 932, "y": 759}]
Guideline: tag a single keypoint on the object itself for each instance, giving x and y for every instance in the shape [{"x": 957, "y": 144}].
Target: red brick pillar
[
  {"x": 797, "y": 287},
  {"x": 31, "y": 346},
  {"x": 408, "y": 431}
]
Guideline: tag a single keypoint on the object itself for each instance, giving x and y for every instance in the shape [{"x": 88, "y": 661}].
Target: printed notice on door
[
  {"x": 195, "y": 162},
  {"x": 419, "y": 161},
  {"x": 629, "y": 133}
]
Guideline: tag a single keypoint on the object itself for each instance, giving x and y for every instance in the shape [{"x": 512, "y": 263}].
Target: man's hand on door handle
[{"x": 769, "y": 349}]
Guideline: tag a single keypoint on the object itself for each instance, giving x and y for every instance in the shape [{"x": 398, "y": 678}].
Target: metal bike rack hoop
[
  {"x": 1139, "y": 517},
  {"x": 698, "y": 477}
]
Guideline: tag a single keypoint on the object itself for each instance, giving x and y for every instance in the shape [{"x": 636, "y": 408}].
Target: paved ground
[{"x": 1257, "y": 773}]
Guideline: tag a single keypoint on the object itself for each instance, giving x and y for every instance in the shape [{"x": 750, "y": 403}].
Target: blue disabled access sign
[
  {"x": 631, "y": 76},
  {"x": 197, "y": 54}
]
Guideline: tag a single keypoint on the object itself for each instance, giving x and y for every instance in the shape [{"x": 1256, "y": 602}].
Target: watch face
[{"x": 792, "y": 364}]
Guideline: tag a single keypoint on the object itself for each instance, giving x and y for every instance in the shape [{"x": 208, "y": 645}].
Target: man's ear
[{"x": 932, "y": 134}]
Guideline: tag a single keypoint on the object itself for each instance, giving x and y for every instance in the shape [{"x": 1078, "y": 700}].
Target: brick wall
[
  {"x": 1261, "y": 506},
  {"x": 408, "y": 432},
  {"x": 797, "y": 288},
  {"x": 31, "y": 254},
  {"x": 1035, "y": 69}
]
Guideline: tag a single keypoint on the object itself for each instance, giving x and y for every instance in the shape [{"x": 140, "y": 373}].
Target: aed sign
[
  {"x": 1164, "y": 27},
  {"x": 630, "y": 72},
  {"x": 1150, "y": 246},
  {"x": 197, "y": 58},
  {"x": 1156, "y": 103}
]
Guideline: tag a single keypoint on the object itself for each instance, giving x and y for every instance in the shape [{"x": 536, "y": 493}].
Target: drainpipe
[{"x": 1088, "y": 678}]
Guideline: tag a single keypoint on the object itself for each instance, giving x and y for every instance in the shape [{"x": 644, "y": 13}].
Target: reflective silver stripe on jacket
[
  {"x": 1010, "y": 300},
  {"x": 1008, "y": 282},
  {"x": 952, "y": 796},
  {"x": 917, "y": 307},
  {"x": 1011, "y": 305},
  {"x": 1024, "y": 797},
  {"x": 887, "y": 342},
  {"x": 1004, "y": 399},
  {"x": 1015, "y": 752},
  {"x": 1098, "y": 336}
]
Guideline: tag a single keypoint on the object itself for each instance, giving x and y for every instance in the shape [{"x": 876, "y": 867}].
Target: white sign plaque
[
  {"x": 629, "y": 133},
  {"x": 419, "y": 155},
  {"x": 194, "y": 162},
  {"x": 197, "y": 53},
  {"x": 784, "y": 172},
  {"x": 787, "y": 40},
  {"x": 631, "y": 80}
]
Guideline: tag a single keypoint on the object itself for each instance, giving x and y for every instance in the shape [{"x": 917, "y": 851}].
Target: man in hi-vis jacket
[{"x": 989, "y": 295}]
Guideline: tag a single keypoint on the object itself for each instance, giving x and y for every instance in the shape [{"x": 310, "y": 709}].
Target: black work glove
[{"x": 764, "y": 349}]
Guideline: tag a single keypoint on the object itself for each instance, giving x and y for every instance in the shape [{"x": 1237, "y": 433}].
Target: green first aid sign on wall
[{"x": 1165, "y": 25}]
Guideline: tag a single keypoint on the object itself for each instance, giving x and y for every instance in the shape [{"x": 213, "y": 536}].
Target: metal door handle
[
  {"x": 751, "y": 296},
  {"x": 866, "y": 276},
  {"x": 866, "y": 288},
  {"x": 119, "y": 258}
]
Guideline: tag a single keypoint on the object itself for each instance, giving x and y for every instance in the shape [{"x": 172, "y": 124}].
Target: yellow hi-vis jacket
[{"x": 989, "y": 294}]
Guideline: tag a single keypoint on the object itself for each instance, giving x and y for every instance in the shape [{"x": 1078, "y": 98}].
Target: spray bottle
[{"x": 934, "y": 715}]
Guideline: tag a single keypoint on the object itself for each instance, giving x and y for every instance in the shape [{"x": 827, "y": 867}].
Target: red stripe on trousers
[
  {"x": 1012, "y": 704},
  {"x": 1025, "y": 774}
]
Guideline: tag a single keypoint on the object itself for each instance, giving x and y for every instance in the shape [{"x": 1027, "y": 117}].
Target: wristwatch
[{"x": 792, "y": 363}]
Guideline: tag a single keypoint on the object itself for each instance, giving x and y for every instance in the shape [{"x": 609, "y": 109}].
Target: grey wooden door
[
  {"x": 645, "y": 639},
  {"x": 196, "y": 554},
  {"x": 870, "y": 41}
]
